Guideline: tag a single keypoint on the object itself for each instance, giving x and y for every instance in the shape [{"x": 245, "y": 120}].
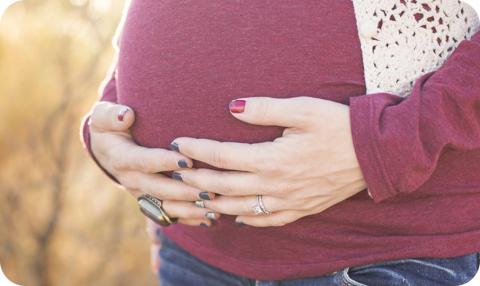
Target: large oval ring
[{"x": 152, "y": 208}]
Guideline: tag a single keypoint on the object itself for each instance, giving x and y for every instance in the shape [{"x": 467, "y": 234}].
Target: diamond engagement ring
[{"x": 259, "y": 208}]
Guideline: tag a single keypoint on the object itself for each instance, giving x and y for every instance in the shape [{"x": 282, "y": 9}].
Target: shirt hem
[{"x": 276, "y": 271}]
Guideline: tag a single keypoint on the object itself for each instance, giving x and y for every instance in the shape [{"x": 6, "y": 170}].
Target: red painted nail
[
  {"x": 237, "y": 106},
  {"x": 121, "y": 114}
]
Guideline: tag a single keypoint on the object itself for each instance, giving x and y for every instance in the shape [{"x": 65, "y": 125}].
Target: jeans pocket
[
  {"x": 416, "y": 271},
  {"x": 349, "y": 281}
]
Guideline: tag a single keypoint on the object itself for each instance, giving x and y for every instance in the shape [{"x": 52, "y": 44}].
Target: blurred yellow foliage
[{"x": 62, "y": 222}]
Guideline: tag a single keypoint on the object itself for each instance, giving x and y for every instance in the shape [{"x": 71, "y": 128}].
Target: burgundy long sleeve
[{"x": 400, "y": 141}]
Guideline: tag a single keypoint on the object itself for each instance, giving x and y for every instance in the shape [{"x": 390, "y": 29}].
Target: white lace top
[{"x": 404, "y": 39}]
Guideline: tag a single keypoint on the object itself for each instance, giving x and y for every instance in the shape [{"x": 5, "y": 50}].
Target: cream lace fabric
[{"x": 404, "y": 39}]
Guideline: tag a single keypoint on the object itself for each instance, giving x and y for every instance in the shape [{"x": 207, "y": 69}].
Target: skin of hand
[
  {"x": 312, "y": 167},
  {"x": 137, "y": 168}
]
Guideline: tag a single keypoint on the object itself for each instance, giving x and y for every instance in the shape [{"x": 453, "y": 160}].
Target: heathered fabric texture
[{"x": 180, "y": 64}]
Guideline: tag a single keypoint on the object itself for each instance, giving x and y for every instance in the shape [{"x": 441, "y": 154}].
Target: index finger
[
  {"x": 150, "y": 160},
  {"x": 225, "y": 155},
  {"x": 122, "y": 153}
]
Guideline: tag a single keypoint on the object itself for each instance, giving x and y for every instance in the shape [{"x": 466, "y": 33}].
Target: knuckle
[
  {"x": 283, "y": 204},
  {"x": 283, "y": 188},
  {"x": 302, "y": 195},
  {"x": 270, "y": 167},
  {"x": 270, "y": 162},
  {"x": 178, "y": 193},
  {"x": 217, "y": 159},
  {"x": 145, "y": 165},
  {"x": 138, "y": 159},
  {"x": 286, "y": 186},
  {"x": 129, "y": 181},
  {"x": 224, "y": 184},
  {"x": 186, "y": 212},
  {"x": 304, "y": 204},
  {"x": 305, "y": 109},
  {"x": 220, "y": 208}
]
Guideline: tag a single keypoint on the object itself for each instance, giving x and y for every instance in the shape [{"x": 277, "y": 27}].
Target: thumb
[
  {"x": 107, "y": 116},
  {"x": 285, "y": 112}
]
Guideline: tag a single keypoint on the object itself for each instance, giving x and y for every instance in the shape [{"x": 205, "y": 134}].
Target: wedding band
[
  {"x": 260, "y": 208},
  {"x": 152, "y": 208},
  {"x": 200, "y": 204},
  {"x": 262, "y": 205}
]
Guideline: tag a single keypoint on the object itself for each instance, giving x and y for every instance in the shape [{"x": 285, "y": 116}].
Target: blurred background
[{"x": 62, "y": 222}]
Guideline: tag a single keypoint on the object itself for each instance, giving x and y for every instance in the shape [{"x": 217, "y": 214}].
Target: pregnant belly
[{"x": 182, "y": 62}]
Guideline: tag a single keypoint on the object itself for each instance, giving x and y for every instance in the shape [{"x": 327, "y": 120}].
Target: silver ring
[
  {"x": 260, "y": 208},
  {"x": 200, "y": 204}
]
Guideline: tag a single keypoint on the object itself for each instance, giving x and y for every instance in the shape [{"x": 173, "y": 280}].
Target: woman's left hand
[{"x": 310, "y": 168}]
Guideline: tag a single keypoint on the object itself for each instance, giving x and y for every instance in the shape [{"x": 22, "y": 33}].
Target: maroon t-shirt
[{"x": 182, "y": 62}]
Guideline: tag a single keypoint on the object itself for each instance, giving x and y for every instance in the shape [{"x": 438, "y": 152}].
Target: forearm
[{"x": 399, "y": 141}]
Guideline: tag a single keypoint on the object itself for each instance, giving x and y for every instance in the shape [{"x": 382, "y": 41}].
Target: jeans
[{"x": 179, "y": 268}]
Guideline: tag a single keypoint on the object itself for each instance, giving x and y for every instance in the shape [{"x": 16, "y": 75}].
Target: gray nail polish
[
  {"x": 204, "y": 196},
  {"x": 177, "y": 176},
  {"x": 210, "y": 215},
  {"x": 182, "y": 164},
  {"x": 174, "y": 147},
  {"x": 203, "y": 224},
  {"x": 239, "y": 223}
]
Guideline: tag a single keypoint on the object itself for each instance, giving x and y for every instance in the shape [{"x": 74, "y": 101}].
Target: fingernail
[
  {"x": 239, "y": 223},
  {"x": 121, "y": 114},
  {"x": 237, "y": 106},
  {"x": 182, "y": 163},
  {"x": 174, "y": 146},
  {"x": 204, "y": 196},
  {"x": 177, "y": 176},
  {"x": 203, "y": 224},
  {"x": 211, "y": 215}
]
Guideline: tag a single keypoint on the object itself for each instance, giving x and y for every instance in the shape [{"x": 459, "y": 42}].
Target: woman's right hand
[{"x": 137, "y": 168}]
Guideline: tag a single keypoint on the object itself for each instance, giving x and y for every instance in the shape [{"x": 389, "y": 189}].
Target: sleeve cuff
[{"x": 379, "y": 187}]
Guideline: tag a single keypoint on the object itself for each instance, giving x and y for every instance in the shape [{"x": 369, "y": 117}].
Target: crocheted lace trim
[{"x": 404, "y": 39}]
